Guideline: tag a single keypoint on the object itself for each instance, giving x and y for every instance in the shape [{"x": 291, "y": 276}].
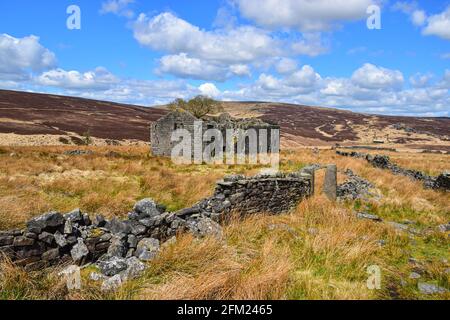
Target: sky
[{"x": 331, "y": 53}]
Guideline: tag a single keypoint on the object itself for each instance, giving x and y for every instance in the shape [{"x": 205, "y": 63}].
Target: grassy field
[{"x": 318, "y": 251}]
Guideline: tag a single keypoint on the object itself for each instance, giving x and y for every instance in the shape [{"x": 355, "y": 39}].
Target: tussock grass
[{"x": 318, "y": 251}]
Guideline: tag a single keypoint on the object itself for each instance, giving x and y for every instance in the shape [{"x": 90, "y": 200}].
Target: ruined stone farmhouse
[{"x": 267, "y": 134}]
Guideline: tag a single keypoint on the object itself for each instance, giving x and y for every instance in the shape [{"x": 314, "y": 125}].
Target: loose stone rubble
[
  {"x": 441, "y": 182},
  {"x": 354, "y": 188}
]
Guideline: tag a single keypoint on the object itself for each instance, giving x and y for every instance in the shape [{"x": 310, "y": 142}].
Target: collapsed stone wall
[
  {"x": 441, "y": 182},
  {"x": 118, "y": 244}
]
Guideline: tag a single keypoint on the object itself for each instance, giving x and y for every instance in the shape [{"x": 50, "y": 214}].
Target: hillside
[{"x": 30, "y": 118}]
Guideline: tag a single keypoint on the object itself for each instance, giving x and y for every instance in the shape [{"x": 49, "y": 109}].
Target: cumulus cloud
[
  {"x": 433, "y": 25},
  {"x": 286, "y": 65},
  {"x": 420, "y": 80},
  {"x": 303, "y": 15},
  {"x": 381, "y": 91},
  {"x": 209, "y": 89},
  {"x": 310, "y": 45},
  {"x": 439, "y": 25},
  {"x": 19, "y": 56},
  {"x": 168, "y": 33},
  {"x": 218, "y": 54},
  {"x": 118, "y": 7},
  {"x": 372, "y": 77},
  {"x": 98, "y": 79}
]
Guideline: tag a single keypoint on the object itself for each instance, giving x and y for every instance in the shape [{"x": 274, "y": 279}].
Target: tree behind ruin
[{"x": 199, "y": 106}]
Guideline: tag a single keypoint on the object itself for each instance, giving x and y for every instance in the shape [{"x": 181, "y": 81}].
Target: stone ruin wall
[
  {"x": 441, "y": 182},
  {"x": 74, "y": 237}
]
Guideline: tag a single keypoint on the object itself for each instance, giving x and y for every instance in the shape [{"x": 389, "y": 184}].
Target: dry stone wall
[
  {"x": 117, "y": 246},
  {"x": 441, "y": 182}
]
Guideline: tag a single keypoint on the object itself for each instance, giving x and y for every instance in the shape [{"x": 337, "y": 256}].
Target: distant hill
[{"x": 24, "y": 114}]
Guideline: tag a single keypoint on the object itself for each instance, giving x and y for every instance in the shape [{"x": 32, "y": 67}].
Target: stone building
[{"x": 162, "y": 129}]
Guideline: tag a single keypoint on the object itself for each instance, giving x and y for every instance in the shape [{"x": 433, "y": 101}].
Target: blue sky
[{"x": 308, "y": 52}]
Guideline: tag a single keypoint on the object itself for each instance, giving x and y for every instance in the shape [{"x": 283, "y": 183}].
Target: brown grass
[{"x": 318, "y": 251}]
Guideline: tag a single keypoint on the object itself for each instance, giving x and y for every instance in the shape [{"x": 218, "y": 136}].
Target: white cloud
[
  {"x": 218, "y": 54},
  {"x": 420, "y": 80},
  {"x": 303, "y": 15},
  {"x": 311, "y": 45},
  {"x": 118, "y": 7},
  {"x": 372, "y": 77},
  {"x": 19, "y": 56},
  {"x": 286, "y": 65},
  {"x": 209, "y": 89},
  {"x": 305, "y": 78},
  {"x": 168, "y": 33},
  {"x": 183, "y": 66},
  {"x": 98, "y": 79},
  {"x": 439, "y": 25},
  {"x": 433, "y": 25},
  {"x": 418, "y": 17},
  {"x": 445, "y": 55},
  {"x": 240, "y": 70}
]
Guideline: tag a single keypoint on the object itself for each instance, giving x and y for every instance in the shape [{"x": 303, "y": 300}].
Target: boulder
[
  {"x": 23, "y": 242},
  {"x": 116, "y": 226},
  {"x": 111, "y": 266},
  {"x": 79, "y": 252},
  {"x": 135, "y": 268},
  {"x": 47, "y": 222},
  {"x": 204, "y": 227},
  {"x": 147, "y": 249},
  {"x": 47, "y": 238},
  {"x": 118, "y": 247},
  {"x": 60, "y": 239},
  {"x": 112, "y": 284},
  {"x": 74, "y": 216},
  {"x": 51, "y": 255},
  {"x": 145, "y": 208}
]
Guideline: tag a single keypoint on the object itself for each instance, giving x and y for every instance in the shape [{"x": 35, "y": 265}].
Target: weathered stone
[
  {"x": 135, "y": 268},
  {"x": 74, "y": 216},
  {"x": 137, "y": 228},
  {"x": 110, "y": 266},
  {"x": 51, "y": 255},
  {"x": 112, "y": 284},
  {"x": 46, "y": 237},
  {"x": 429, "y": 288},
  {"x": 79, "y": 252},
  {"x": 146, "y": 208},
  {"x": 46, "y": 222},
  {"x": 205, "y": 227},
  {"x": 414, "y": 275},
  {"x": 132, "y": 241},
  {"x": 444, "y": 227},
  {"x": 23, "y": 242},
  {"x": 147, "y": 249},
  {"x": 116, "y": 226},
  {"x": 117, "y": 247},
  {"x": 86, "y": 220},
  {"x": 95, "y": 276},
  {"x": 60, "y": 239},
  {"x": 99, "y": 221},
  {"x": 398, "y": 226},
  {"x": 6, "y": 241},
  {"x": 330, "y": 183},
  {"x": 367, "y": 216}
]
